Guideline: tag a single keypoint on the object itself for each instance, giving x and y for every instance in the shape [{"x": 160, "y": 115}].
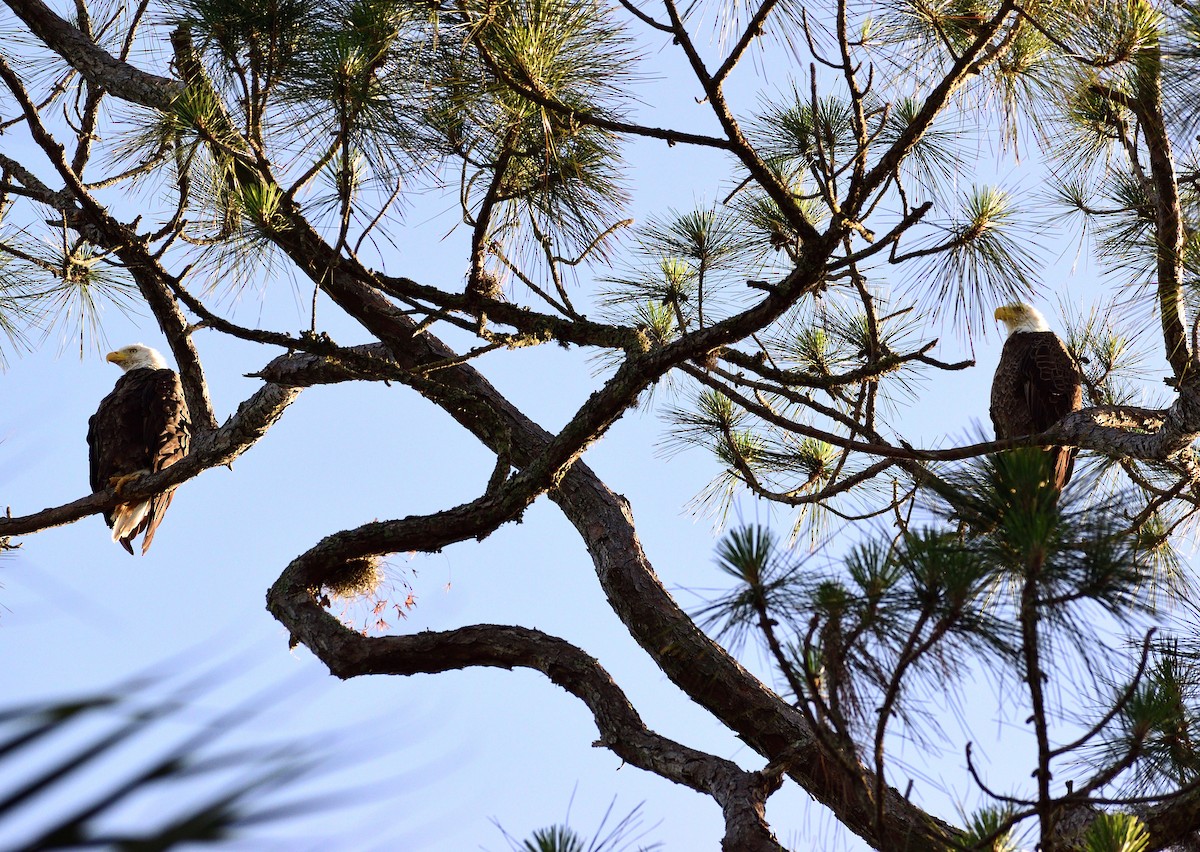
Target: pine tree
[{"x": 173, "y": 156}]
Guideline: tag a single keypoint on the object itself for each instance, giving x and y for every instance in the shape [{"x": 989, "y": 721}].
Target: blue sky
[{"x": 448, "y": 753}]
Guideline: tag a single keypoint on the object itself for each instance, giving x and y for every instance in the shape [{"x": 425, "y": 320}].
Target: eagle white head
[
  {"x": 1020, "y": 316},
  {"x": 136, "y": 357}
]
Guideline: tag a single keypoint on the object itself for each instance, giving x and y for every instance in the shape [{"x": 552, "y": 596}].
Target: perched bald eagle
[
  {"x": 141, "y": 427},
  {"x": 1037, "y": 383}
]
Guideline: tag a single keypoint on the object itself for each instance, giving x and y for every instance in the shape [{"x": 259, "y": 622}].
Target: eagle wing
[
  {"x": 1053, "y": 388},
  {"x": 140, "y": 427},
  {"x": 1037, "y": 383},
  {"x": 168, "y": 434}
]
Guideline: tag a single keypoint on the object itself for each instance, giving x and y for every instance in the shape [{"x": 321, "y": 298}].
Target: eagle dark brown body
[
  {"x": 142, "y": 426},
  {"x": 1037, "y": 384}
]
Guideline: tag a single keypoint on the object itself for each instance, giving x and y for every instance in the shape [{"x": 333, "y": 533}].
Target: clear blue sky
[{"x": 450, "y": 752}]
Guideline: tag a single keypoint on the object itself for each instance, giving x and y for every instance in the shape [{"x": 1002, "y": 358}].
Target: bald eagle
[
  {"x": 141, "y": 427},
  {"x": 1037, "y": 383}
]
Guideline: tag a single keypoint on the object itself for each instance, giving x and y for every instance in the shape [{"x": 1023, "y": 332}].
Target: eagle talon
[{"x": 120, "y": 482}]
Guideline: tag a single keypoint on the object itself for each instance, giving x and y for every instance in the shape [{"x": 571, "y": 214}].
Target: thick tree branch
[
  {"x": 1174, "y": 824},
  {"x": 622, "y": 731},
  {"x": 699, "y": 666},
  {"x": 717, "y": 682},
  {"x": 98, "y": 66},
  {"x": 1168, "y": 220},
  {"x": 210, "y": 449}
]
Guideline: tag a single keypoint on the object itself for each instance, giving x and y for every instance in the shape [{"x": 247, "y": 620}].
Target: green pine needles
[{"x": 1014, "y": 578}]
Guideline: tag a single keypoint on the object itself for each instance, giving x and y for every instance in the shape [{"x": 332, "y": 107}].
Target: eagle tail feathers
[
  {"x": 1062, "y": 464},
  {"x": 127, "y": 521}
]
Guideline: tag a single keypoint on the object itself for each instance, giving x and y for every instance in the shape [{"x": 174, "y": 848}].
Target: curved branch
[
  {"x": 622, "y": 731},
  {"x": 695, "y": 663},
  {"x": 716, "y": 681}
]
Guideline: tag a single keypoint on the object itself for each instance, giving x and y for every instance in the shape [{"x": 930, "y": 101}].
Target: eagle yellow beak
[
  {"x": 115, "y": 357},
  {"x": 1004, "y": 313}
]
